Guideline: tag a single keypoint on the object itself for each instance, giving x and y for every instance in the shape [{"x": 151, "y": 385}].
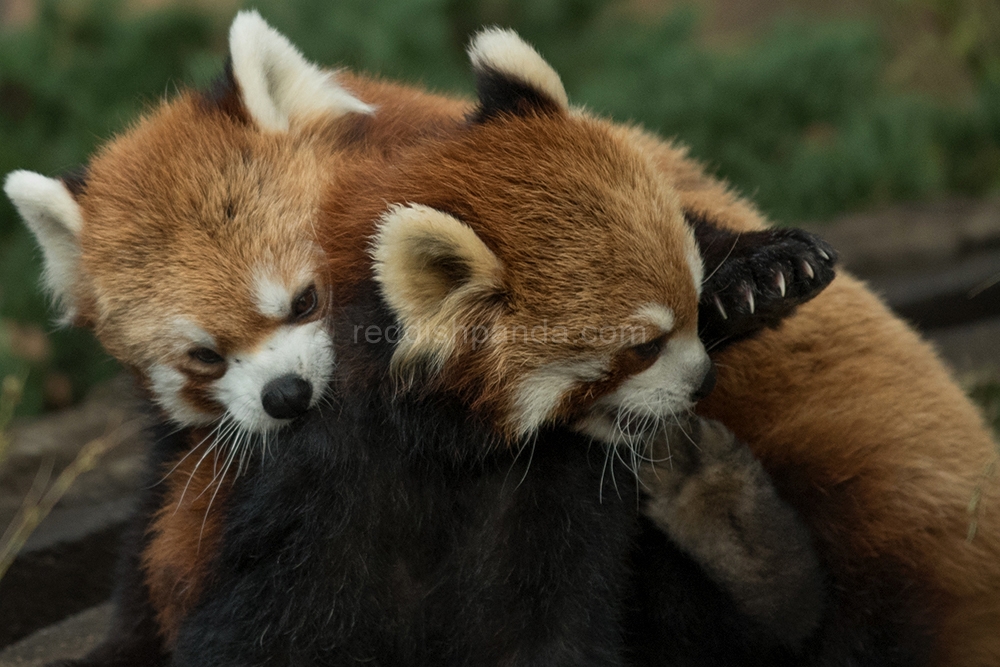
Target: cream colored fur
[
  {"x": 414, "y": 250},
  {"x": 54, "y": 217},
  {"x": 277, "y": 82},
  {"x": 504, "y": 51}
]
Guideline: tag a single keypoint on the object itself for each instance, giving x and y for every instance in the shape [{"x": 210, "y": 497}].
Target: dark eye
[
  {"x": 305, "y": 303},
  {"x": 651, "y": 349},
  {"x": 207, "y": 356}
]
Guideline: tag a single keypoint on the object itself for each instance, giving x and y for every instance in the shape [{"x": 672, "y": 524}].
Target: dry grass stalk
[
  {"x": 11, "y": 388},
  {"x": 43, "y": 496}
]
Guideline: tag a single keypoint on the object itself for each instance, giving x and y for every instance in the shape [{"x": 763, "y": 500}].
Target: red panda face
[
  {"x": 202, "y": 267},
  {"x": 538, "y": 265},
  {"x": 189, "y": 247}
]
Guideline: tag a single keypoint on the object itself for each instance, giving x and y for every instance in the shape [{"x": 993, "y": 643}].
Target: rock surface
[
  {"x": 67, "y": 565},
  {"x": 72, "y": 637},
  {"x": 919, "y": 237}
]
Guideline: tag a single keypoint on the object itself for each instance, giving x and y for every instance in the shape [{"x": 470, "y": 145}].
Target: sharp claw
[
  {"x": 750, "y": 301},
  {"x": 807, "y": 267},
  {"x": 781, "y": 283},
  {"x": 718, "y": 304},
  {"x": 823, "y": 254}
]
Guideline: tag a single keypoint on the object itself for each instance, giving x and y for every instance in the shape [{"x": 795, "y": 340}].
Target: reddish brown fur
[
  {"x": 402, "y": 113},
  {"x": 888, "y": 472},
  {"x": 184, "y": 536},
  {"x": 869, "y": 435},
  {"x": 600, "y": 200}
]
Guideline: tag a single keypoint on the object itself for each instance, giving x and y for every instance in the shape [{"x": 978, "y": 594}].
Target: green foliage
[
  {"x": 971, "y": 29},
  {"x": 66, "y": 84},
  {"x": 799, "y": 120}
]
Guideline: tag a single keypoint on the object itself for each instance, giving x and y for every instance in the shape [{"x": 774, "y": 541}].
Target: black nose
[
  {"x": 286, "y": 397},
  {"x": 707, "y": 384}
]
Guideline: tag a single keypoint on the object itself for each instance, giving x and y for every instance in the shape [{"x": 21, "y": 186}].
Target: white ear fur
[
  {"x": 434, "y": 272},
  {"x": 54, "y": 217},
  {"x": 505, "y": 52},
  {"x": 276, "y": 82}
]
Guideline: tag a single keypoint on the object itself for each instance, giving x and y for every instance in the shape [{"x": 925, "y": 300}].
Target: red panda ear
[
  {"x": 52, "y": 214},
  {"x": 512, "y": 78},
  {"x": 438, "y": 278},
  {"x": 276, "y": 84}
]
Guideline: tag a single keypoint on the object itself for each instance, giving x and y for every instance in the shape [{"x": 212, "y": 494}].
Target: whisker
[
  {"x": 531, "y": 457},
  {"x": 604, "y": 469},
  {"x": 194, "y": 471},
  {"x": 724, "y": 259},
  {"x": 189, "y": 453},
  {"x": 228, "y": 461},
  {"x": 211, "y": 501}
]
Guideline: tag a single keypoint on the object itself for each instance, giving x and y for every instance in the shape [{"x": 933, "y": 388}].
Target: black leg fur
[
  {"x": 398, "y": 554},
  {"x": 713, "y": 499},
  {"x": 754, "y": 280}
]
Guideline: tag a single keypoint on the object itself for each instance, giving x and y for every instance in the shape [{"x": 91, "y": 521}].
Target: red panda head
[
  {"x": 535, "y": 261},
  {"x": 189, "y": 244}
]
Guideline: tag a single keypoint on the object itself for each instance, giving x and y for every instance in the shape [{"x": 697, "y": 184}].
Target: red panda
[
  {"x": 190, "y": 253},
  {"x": 398, "y": 539},
  {"x": 172, "y": 589},
  {"x": 867, "y": 433},
  {"x": 188, "y": 248},
  {"x": 869, "y": 436}
]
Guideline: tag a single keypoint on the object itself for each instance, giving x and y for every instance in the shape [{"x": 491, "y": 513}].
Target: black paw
[{"x": 760, "y": 282}]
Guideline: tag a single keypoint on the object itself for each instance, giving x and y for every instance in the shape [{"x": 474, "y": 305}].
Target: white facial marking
[
  {"x": 541, "y": 392},
  {"x": 166, "y": 384},
  {"x": 661, "y": 316},
  {"x": 653, "y": 395},
  {"x": 277, "y": 83},
  {"x": 305, "y": 350},
  {"x": 505, "y": 52},
  {"x": 192, "y": 334},
  {"x": 273, "y": 299}
]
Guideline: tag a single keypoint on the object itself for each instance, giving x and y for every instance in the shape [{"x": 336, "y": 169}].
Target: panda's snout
[{"x": 286, "y": 397}]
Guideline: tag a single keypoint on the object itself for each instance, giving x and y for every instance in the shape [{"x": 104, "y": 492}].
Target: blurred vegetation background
[{"x": 811, "y": 108}]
